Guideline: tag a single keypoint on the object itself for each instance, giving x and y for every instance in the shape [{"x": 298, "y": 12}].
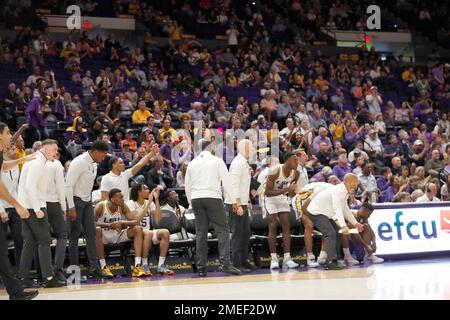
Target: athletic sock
[
  {"x": 102, "y": 263},
  {"x": 274, "y": 256},
  {"x": 137, "y": 261},
  {"x": 144, "y": 261},
  {"x": 287, "y": 256},
  {"x": 347, "y": 253},
  {"x": 323, "y": 254},
  {"x": 311, "y": 255},
  {"x": 161, "y": 261}
]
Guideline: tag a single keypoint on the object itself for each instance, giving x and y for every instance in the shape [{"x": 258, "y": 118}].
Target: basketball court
[{"x": 392, "y": 280}]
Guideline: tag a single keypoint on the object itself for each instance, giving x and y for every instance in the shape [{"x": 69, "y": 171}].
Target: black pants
[
  {"x": 330, "y": 231},
  {"x": 15, "y": 226},
  {"x": 86, "y": 220},
  {"x": 36, "y": 232},
  {"x": 12, "y": 284},
  {"x": 58, "y": 225},
  {"x": 240, "y": 236},
  {"x": 206, "y": 210}
]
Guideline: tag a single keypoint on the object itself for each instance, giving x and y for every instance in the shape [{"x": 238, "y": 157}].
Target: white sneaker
[
  {"x": 274, "y": 265},
  {"x": 375, "y": 259},
  {"x": 350, "y": 261},
  {"x": 312, "y": 263},
  {"x": 322, "y": 260},
  {"x": 289, "y": 264}
]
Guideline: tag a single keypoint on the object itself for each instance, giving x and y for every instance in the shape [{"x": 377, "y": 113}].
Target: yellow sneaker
[
  {"x": 108, "y": 272},
  {"x": 138, "y": 271}
]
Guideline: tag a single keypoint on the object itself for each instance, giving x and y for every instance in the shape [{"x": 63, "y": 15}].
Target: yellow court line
[{"x": 275, "y": 277}]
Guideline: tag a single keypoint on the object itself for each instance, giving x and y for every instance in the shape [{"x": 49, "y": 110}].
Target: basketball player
[
  {"x": 142, "y": 198},
  {"x": 280, "y": 182},
  {"x": 117, "y": 224},
  {"x": 366, "y": 237}
]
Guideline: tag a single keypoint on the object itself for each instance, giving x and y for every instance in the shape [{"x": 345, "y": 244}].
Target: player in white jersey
[
  {"x": 300, "y": 204},
  {"x": 117, "y": 224},
  {"x": 142, "y": 198},
  {"x": 280, "y": 182}
]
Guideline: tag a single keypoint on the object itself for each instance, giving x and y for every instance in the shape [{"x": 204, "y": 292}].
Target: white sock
[
  {"x": 161, "y": 261},
  {"x": 323, "y": 254},
  {"x": 102, "y": 263},
  {"x": 137, "y": 261},
  {"x": 144, "y": 261},
  {"x": 347, "y": 253},
  {"x": 274, "y": 256},
  {"x": 287, "y": 256},
  {"x": 311, "y": 255}
]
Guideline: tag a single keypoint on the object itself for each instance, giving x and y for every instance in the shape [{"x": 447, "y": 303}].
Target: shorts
[
  {"x": 274, "y": 205},
  {"x": 114, "y": 237},
  {"x": 299, "y": 200},
  {"x": 155, "y": 239}
]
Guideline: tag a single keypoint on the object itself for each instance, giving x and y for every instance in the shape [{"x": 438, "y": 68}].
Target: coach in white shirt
[
  {"x": 329, "y": 205},
  {"x": 303, "y": 179},
  {"x": 79, "y": 182},
  {"x": 118, "y": 177},
  {"x": 240, "y": 172},
  {"x": 57, "y": 212},
  {"x": 8, "y": 213},
  {"x": 430, "y": 194},
  {"x": 32, "y": 195},
  {"x": 204, "y": 176}
]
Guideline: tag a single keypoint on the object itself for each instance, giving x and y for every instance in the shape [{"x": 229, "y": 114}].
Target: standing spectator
[{"x": 35, "y": 116}]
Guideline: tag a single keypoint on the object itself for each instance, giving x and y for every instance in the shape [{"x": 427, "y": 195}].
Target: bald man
[
  {"x": 329, "y": 205},
  {"x": 240, "y": 173}
]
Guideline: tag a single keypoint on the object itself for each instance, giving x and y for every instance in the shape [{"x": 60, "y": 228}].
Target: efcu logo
[{"x": 445, "y": 221}]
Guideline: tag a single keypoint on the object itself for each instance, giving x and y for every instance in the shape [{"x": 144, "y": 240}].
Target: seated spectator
[
  {"x": 393, "y": 190},
  {"x": 141, "y": 115},
  {"x": 373, "y": 144},
  {"x": 357, "y": 151},
  {"x": 368, "y": 183},
  {"x": 434, "y": 165},
  {"x": 430, "y": 194},
  {"x": 321, "y": 138},
  {"x": 159, "y": 177},
  {"x": 129, "y": 140},
  {"x": 342, "y": 167},
  {"x": 383, "y": 182}
]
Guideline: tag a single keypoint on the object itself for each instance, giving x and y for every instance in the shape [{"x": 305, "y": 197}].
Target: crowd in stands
[{"x": 383, "y": 120}]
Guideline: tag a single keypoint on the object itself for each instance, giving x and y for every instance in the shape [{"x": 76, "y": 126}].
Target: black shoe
[
  {"x": 24, "y": 295},
  {"x": 244, "y": 269},
  {"x": 53, "y": 283},
  {"x": 249, "y": 265},
  {"x": 230, "y": 269},
  {"x": 59, "y": 274},
  {"x": 334, "y": 265},
  {"x": 202, "y": 272},
  {"x": 30, "y": 284},
  {"x": 97, "y": 273}
]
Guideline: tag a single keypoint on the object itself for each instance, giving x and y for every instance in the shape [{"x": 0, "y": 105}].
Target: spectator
[
  {"x": 430, "y": 194},
  {"x": 142, "y": 114},
  {"x": 342, "y": 167}
]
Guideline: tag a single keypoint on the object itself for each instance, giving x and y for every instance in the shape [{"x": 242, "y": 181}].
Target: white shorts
[
  {"x": 274, "y": 205},
  {"x": 114, "y": 237},
  {"x": 155, "y": 239}
]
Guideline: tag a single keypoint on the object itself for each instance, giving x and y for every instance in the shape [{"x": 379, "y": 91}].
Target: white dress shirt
[
  {"x": 32, "y": 192},
  {"x": 11, "y": 180},
  {"x": 303, "y": 179},
  {"x": 80, "y": 178},
  {"x": 332, "y": 202},
  {"x": 112, "y": 180},
  {"x": 240, "y": 173},
  {"x": 424, "y": 199},
  {"x": 55, "y": 187},
  {"x": 204, "y": 176}
]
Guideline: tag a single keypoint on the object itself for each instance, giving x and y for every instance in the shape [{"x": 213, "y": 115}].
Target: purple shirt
[
  {"x": 382, "y": 183},
  {"x": 34, "y": 114},
  {"x": 340, "y": 171},
  {"x": 318, "y": 140},
  {"x": 388, "y": 195}
]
